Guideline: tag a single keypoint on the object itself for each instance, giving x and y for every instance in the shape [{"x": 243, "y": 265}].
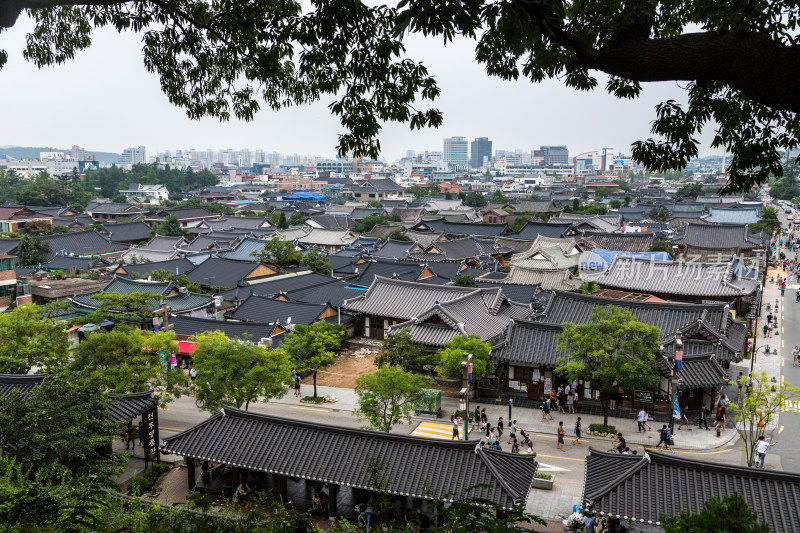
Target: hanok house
[
  {"x": 188, "y": 217},
  {"x": 352, "y": 466},
  {"x": 714, "y": 242},
  {"x": 114, "y": 211},
  {"x": 282, "y": 313},
  {"x": 8, "y": 280},
  {"x": 528, "y": 354},
  {"x": 731, "y": 282},
  {"x": 178, "y": 299},
  {"x": 13, "y": 219},
  {"x": 435, "y": 314},
  {"x": 551, "y": 263},
  {"x": 637, "y": 490},
  {"x": 220, "y": 274}
]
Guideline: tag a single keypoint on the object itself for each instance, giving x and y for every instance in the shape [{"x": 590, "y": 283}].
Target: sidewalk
[{"x": 530, "y": 420}]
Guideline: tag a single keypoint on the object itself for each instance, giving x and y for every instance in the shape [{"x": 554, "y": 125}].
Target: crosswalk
[{"x": 435, "y": 430}]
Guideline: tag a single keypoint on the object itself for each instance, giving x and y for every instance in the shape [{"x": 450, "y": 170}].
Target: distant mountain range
[{"x": 32, "y": 152}]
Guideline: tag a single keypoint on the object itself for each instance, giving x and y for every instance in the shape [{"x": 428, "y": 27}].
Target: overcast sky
[{"x": 105, "y": 100}]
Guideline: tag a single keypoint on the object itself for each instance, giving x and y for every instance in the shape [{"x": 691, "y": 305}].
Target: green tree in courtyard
[
  {"x": 313, "y": 347},
  {"x": 720, "y": 514},
  {"x": 661, "y": 245},
  {"x": 759, "y": 407},
  {"x": 282, "y": 254},
  {"x": 170, "y": 226},
  {"x": 452, "y": 355},
  {"x": 399, "y": 350},
  {"x": 237, "y": 371},
  {"x": 389, "y": 396},
  {"x": 31, "y": 251},
  {"x": 611, "y": 350},
  {"x": 29, "y": 338},
  {"x": 464, "y": 280},
  {"x": 317, "y": 261},
  {"x": 296, "y": 219},
  {"x": 127, "y": 360}
]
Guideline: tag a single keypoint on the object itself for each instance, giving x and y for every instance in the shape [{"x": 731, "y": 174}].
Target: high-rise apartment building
[
  {"x": 133, "y": 156},
  {"x": 455, "y": 152},
  {"x": 480, "y": 152},
  {"x": 555, "y": 155}
]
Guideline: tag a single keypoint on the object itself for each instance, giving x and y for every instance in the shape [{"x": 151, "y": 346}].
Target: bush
[
  {"x": 313, "y": 399},
  {"x": 542, "y": 475},
  {"x": 600, "y": 428},
  {"x": 148, "y": 481}
]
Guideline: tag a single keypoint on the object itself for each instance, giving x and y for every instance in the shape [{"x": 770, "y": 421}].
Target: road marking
[
  {"x": 560, "y": 457},
  {"x": 696, "y": 453},
  {"x": 780, "y": 430},
  {"x": 309, "y": 408},
  {"x": 781, "y": 360},
  {"x": 782, "y": 345},
  {"x": 555, "y": 437},
  {"x": 171, "y": 429},
  {"x": 434, "y": 430},
  {"x": 550, "y": 468},
  {"x": 781, "y": 334}
]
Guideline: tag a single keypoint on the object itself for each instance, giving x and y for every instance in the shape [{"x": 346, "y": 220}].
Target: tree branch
[
  {"x": 755, "y": 64},
  {"x": 10, "y": 9}
]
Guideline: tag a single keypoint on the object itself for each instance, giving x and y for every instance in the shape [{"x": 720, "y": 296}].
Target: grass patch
[
  {"x": 312, "y": 399},
  {"x": 600, "y": 428},
  {"x": 542, "y": 475}
]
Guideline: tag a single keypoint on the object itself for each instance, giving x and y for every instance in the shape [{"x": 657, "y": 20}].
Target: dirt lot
[{"x": 343, "y": 373}]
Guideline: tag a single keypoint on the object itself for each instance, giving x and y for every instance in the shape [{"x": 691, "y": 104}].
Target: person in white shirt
[
  {"x": 641, "y": 419},
  {"x": 761, "y": 450}
]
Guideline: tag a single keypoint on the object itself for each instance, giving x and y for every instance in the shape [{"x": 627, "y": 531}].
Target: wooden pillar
[
  {"x": 283, "y": 488},
  {"x": 332, "y": 493},
  {"x": 190, "y": 472}
]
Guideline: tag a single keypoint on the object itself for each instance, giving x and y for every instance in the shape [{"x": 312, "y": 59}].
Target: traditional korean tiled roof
[
  {"x": 641, "y": 488},
  {"x": 624, "y": 242},
  {"x": 380, "y": 231},
  {"x": 186, "y": 326},
  {"x": 187, "y": 213},
  {"x": 713, "y": 236},
  {"x": 60, "y": 262},
  {"x": 419, "y": 467},
  {"x": 179, "y": 303},
  {"x": 164, "y": 243},
  {"x": 387, "y": 268},
  {"x": 22, "y": 382},
  {"x": 599, "y": 222},
  {"x": 330, "y": 221},
  {"x": 114, "y": 208},
  {"x": 175, "y": 266},
  {"x": 531, "y": 230},
  {"x": 239, "y": 223},
  {"x": 126, "y": 231},
  {"x": 425, "y": 238},
  {"x": 514, "y": 291},
  {"x": 142, "y": 255},
  {"x": 244, "y": 248},
  {"x": 403, "y": 299},
  {"x": 222, "y": 273},
  {"x": 483, "y": 312},
  {"x": 335, "y": 293},
  {"x": 208, "y": 242},
  {"x": 268, "y": 310},
  {"x": 325, "y": 237},
  {"x": 732, "y": 216},
  {"x": 468, "y": 248},
  {"x": 529, "y": 343},
  {"x": 700, "y": 371},
  {"x": 397, "y": 249},
  {"x": 86, "y": 242},
  {"x": 440, "y": 225},
  {"x": 709, "y": 280},
  {"x": 125, "y": 407},
  {"x": 281, "y": 283}
]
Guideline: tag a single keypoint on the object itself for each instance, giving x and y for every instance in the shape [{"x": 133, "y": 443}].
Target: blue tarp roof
[
  {"x": 306, "y": 196},
  {"x": 600, "y": 259}
]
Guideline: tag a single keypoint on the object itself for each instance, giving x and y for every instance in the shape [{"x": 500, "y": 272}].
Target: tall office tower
[
  {"x": 555, "y": 155},
  {"x": 410, "y": 154},
  {"x": 133, "y": 156},
  {"x": 455, "y": 152},
  {"x": 480, "y": 150}
]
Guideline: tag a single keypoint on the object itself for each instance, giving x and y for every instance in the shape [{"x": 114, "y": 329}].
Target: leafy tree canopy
[
  {"x": 126, "y": 360},
  {"x": 474, "y": 199},
  {"x": 313, "y": 347},
  {"x": 464, "y": 280},
  {"x": 615, "y": 203},
  {"x": 282, "y": 254},
  {"x": 370, "y": 221},
  {"x": 389, "y": 396},
  {"x": 28, "y": 338},
  {"x": 657, "y": 214},
  {"x": 662, "y": 245},
  {"x": 317, "y": 261},
  {"x": 399, "y": 235},
  {"x": 400, "y": 350},
  {"x": 691, "y": 190},
  {"x": 612, "y": 350},
  {"x": 719, "y": 515},
  {"x": 237, "y": 371},
  {"x": 452, "y": 355},
  {"x": 769, "y": 222},
  {"x": 170, "y": 226},
  {"x": 31, "y": 251}
]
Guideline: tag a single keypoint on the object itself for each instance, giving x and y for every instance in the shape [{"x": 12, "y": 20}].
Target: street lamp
[{"x": 466, "y": 385}]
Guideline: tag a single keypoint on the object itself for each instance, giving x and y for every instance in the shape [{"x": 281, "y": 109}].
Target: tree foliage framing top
[{"x": 221, "y": 58}]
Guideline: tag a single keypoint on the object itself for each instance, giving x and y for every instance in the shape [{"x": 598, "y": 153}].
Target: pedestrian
[
  {"x": 297, "y": 387},
  {"x": 484, "y": 418},
  {"x": 669, "y": 442},
  {"x": 718, "y": 418},
  {"x": 575, "y": 400},
  {"x": 646, "y": 418},
  {"x": 796, "y": 356},
  {"x": 512, "y": 431},
  {"x": 552, "y": 399},
  {"x": 703, "y": 414},
  {"x": 477, "y": 416},
  {"x": 761, "y": 450},
  {"x": 662, "y": 436},
  {"x": 141, "y": 433},
  {"x": 562, "y": 401},
  {"x": 546, "y": 416},
  {"x": 527, "y": 440},
  {"x": 739, "y": 385},
  {"x": 561, "y": 433},
  {"x": 129, "y": 442},
  {"x": 797, "y": 295},
  {"x": 570, "y": 404},
  {"x": 640, "y": 419},
  {"x": 294, "y": 374},
  {"x": 619, "y": 441},
  {"x": 488, "y": 431},
  {"x": 684, "y": 418},
  {"x": 455, "y": 421},
  {"x": 577, "y": 431},
  {"x": 500, "y": 428},
  {"x": 515, "y": 447},
  {"x": 770, "y": 317},
  {"x": 324, "y": 500}
]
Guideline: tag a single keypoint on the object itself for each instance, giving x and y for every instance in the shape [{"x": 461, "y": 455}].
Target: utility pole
[{"x": 466, "y": 385}]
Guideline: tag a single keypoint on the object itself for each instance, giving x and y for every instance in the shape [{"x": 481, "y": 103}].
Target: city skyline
[{"x": 108, "y": 82}]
